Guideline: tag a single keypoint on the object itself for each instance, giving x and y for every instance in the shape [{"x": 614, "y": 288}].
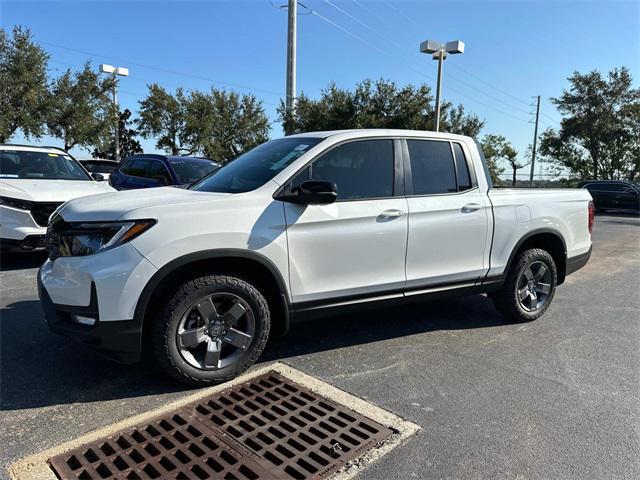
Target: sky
[{"x": 515, "y": 50}]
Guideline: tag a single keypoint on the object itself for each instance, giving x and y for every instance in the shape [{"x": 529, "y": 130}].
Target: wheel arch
[
  {"x": 547, "y": 239},
  {"x": 247, "y": 264}
]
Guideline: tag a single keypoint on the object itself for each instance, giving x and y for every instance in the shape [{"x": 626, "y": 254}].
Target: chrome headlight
[{"x": 82, "y": 239}]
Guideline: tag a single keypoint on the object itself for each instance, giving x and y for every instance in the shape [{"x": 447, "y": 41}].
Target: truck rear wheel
[
  {"x": 529, "y": 287},
  {"x": 212, "y": 329}
]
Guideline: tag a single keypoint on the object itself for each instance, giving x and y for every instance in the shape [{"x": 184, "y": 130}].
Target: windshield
[
  {"x": 190, "y": 170},
  {"x": 39, "y": 166},
  {"x": 256, "y": 167}
]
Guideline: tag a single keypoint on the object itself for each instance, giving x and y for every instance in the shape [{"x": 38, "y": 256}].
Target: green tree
[
  {"x": 162, "y": 115},
  {"x": 129, "y": 145},
  {"x": 375, "y": 104},
  {"x": 23, "y": 84},
  {"x": 81, "y": 110},
  {"x": 600, "y": 131},
  {"x": 497, "y": 148},
  {"x": 223, "y": 125}
]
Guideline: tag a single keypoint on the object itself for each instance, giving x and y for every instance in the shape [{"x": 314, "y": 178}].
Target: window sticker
[
  {"x": 301, "y": 147},
  {"x": 8, "y": 175},
  {"x": 54, "y": 155}
]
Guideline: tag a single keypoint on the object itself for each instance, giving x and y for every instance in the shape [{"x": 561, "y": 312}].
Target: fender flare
[
  {"x": 173, "y": 265},
  {"x": 526, "y": 237}
]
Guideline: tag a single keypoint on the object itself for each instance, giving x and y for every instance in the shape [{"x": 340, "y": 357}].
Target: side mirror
[
  {"x": 98, "y": 177},
  {"x": 162, "y": 180},
  {"x": 312, "y": 192}
]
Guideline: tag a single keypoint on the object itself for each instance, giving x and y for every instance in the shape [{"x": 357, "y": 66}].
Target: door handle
[
  {"x": 470, "y": 207},
  {"x": 392, "y": 213}
]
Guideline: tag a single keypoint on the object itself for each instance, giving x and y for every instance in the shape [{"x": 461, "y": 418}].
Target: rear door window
[
  {"x": 432, "y": 167},
  {"x": 462, "y": 168}
]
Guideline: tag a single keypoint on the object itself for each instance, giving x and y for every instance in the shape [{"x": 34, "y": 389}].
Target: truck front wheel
[
  {"x": 212, "y": 329},
  {"x": 529, "y": 288}
]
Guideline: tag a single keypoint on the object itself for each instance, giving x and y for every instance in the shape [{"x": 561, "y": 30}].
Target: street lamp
[
  {"x": 439, "y": 52},
  {"x": 115, "y": 71}
]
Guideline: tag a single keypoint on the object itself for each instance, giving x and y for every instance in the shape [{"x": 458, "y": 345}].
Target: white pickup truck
[{"x": 301, "y": 226}]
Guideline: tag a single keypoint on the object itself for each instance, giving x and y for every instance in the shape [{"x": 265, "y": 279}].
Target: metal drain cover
[{"x": 266, "y": 427}]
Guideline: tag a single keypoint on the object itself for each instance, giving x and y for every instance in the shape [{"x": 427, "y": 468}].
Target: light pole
[
  {"x": 439, "y": 52},
  {"x": 115, "y": 71}
]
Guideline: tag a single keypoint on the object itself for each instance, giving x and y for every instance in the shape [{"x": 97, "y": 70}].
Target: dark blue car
[{"x": 145, "y": 171}]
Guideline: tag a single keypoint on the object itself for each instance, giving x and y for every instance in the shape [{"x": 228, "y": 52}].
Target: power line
[
  {"x": 398, "y": 46},
  {"x": 351, "y": 34},
  {"x": 366, "y": 42},
  {"x": 550, "y": 118},
  {"x": 359, "y": 22},
  {"x": 165, "y": 70},
  {"x": 466, "y": 71},
  {"x": 401, "y": 13},
  {"x": 149, "y": 81},
  {"x": 364, "y": 7}
]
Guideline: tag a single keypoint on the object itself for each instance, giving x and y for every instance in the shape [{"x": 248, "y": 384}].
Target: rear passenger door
[{"x": 448, "y": 216}]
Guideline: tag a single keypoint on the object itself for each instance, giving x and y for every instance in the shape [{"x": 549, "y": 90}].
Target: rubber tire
[
  {"x": 505, "y": 300},
  {"x": 165, "y": 329}
]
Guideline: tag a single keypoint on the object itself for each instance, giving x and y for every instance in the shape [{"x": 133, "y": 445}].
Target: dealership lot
[{"x": 556, "y": 398}]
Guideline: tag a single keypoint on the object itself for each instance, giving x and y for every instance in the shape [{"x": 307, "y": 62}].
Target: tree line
[{"x": 598, "y": 136}]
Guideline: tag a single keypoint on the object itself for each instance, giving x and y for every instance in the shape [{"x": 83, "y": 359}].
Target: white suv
[
  {"x": 34, "y": 182},
  {"x": 296, "y": 227}
]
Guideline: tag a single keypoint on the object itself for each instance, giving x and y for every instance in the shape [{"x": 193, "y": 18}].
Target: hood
[
  {"x": 50, "y": 190},
  {"x": 111, "y": 206}
]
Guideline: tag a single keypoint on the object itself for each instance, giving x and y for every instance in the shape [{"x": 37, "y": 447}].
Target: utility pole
[
  {"x": 291, "y": 55},
  {"x": 535, "y": 142}
]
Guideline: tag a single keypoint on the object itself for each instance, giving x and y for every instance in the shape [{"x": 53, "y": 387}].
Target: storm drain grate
[
  {"x": 169, "y": 447},
  {"x": 267, "y": 427}
]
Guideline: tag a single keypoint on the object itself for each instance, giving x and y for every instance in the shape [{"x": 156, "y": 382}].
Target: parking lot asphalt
[{"x": 555, "y": 398}]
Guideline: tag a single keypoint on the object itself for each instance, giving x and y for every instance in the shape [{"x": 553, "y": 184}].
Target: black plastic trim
[
  {"x": 312, "y": 309},
  {"x": 576, "y": 263},
  {"x": 118, "y": 340},
  {"x": 522, "y": 240},
  {"x": 162, "y": 273}
]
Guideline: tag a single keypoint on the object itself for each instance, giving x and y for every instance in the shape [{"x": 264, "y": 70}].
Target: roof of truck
[{"x": 378, "y": 132}]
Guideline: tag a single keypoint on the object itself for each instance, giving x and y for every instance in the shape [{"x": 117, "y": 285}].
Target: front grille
[
  {"x": 41, "y": 211},
  {"x": 268, "y": 427}
]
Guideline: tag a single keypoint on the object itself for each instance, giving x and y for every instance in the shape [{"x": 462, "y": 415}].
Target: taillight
[{"x": 592, "y": 216}]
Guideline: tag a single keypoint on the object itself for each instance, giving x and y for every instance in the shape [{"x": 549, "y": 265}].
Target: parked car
[
  {"x": 613, "y": 194},
  {"x": 297, "y": 227},
  {"x": 145, "y": 171},
  {"x": 34, "y": 181},
  {"x": 101, "y": 166}
]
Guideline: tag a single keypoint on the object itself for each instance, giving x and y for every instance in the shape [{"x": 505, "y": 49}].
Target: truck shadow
[{"x": 41, "y": 369}]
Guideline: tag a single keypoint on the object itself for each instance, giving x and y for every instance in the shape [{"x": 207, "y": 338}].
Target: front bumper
[
  {"x": 117, "y": 340},
  {"x": 105, "y": 287}
]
